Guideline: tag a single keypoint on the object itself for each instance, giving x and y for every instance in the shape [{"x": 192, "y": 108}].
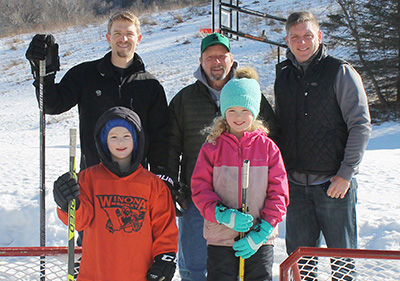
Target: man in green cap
[{"x": 191, "y": 110}]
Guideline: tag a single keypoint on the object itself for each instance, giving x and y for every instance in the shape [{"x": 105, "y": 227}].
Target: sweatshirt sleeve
[
  {"x": 268, "y": 116},
  {"x": 353, "y": 102},
  {"x": 176, "y": 137},
  {"x": 163, "y": 220},
  {"x": 203, "y": 194},
  {"x": 278, "y": 188},
  {"x": 62, "y": 96},
  {"x": 158, "y": 130}
]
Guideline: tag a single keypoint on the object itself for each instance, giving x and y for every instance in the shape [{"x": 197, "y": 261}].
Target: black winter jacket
[
  {"x": 191, "y": 110},
  {"x": 95, "y": 86}
]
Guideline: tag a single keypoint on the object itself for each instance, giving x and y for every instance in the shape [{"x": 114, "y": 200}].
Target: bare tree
[
  {"x": 15, "y": 15},
  {"x": 372, "y": 29}
]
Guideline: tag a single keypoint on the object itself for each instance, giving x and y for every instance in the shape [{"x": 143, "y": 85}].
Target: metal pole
[
  {"x": 279, "y": 54},
  {"x": 220, "y": 17},
  {"x": 213, "y": 16},
  {"x": 237, "y": 18}
]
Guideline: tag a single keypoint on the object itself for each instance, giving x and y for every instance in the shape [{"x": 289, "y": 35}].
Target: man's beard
[
  {"x": 125, "y": 53},
  {"x": 122, "y": 54},
  {"x": 218, "y": 78}
]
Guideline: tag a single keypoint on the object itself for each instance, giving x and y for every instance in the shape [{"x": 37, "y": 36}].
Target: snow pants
[{"x": 222, "y": 264}]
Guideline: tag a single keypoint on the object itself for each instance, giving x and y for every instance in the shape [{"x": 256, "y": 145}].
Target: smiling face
[
  {"x": 216, "y": 62},
  {"x": 304, "y": 40},
  {"x": 120, "y": 144},
  {"x": 123, "y": 38},
  {"x": 239, "y": 119}
]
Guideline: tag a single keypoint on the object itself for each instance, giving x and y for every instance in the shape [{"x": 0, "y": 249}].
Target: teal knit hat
[{"x": 243, "y": 92}]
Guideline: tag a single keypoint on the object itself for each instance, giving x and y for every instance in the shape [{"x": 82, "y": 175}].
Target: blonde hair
[
  {"x": 220, "y": 124},
  {"x": 124, "y": 16}
]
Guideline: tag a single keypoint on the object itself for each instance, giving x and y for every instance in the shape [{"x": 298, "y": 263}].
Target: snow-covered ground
[{"x": 170, "y": 51}]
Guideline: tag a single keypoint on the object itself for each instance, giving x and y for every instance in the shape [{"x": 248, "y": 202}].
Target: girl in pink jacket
[{"x": 216, "y": 185}]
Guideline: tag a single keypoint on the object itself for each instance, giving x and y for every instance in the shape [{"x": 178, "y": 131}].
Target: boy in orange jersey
[{"x": 127, "y": 212}]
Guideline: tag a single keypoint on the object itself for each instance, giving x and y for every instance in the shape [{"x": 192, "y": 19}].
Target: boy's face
[{"x": 120, "y": 143}]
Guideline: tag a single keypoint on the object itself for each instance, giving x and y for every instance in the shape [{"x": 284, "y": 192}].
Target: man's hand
[
  {"x": 178, "y": 198},
  {"x": 43, "y": 47},
  {"x": 338, "y": 188}
]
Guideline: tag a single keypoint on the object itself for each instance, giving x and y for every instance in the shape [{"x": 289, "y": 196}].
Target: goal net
[
  {"x": 341, "y": 264},
  {"x": 35, "y": 263}
]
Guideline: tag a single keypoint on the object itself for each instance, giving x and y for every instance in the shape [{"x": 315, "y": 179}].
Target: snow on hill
[{"x": 170, "y": 51}]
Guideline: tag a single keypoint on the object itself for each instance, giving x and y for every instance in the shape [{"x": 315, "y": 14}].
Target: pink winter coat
[{"x": 217, "y": 177}]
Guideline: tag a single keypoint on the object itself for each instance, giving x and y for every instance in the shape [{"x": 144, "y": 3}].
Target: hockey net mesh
[
  {"x": 35, "y": 263},
  {"x": 341, "y": 264}
]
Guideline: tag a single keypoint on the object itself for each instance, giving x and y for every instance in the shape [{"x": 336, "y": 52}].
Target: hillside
[{"x": 170, "y": 49}]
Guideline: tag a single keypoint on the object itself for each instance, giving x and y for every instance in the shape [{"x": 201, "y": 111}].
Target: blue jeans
[
  {"x": 192, "y": 247},
  {"x": 312, "y": 213}
]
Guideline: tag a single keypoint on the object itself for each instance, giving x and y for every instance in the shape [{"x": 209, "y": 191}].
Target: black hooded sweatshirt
[{"x": 105, "y": 157}]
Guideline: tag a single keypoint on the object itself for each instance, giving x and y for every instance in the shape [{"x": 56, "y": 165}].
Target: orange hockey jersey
[{"x": 127, "y": 221}]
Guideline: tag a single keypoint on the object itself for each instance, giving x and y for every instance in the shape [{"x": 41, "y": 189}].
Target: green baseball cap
[{"x": 215, "y": 39}]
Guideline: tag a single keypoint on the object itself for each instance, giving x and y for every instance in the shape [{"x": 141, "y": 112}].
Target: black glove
[
  {"x": 184, "y": 191},
  {"x": 43, "y": 47},
  {"x": 66, "y": 188},
  {"x": 163, "y": 268},
  {"x": 176, "y": 195}
]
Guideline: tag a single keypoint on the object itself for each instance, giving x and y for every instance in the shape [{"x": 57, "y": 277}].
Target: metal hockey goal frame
[
  {"x": 307, "y": 263},
  {"x": 35, "y": 263},
  {"x": 225, "y": 19}
]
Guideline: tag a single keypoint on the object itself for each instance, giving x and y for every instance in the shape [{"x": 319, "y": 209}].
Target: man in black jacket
[
  {"x": 117, "y": 79},
  {"x": 322, "y": 112},
  {"x": 191, "y": 110}
]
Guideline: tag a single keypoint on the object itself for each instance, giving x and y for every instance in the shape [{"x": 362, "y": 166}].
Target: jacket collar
[
  {"x": 246, "y": 140},
  {"x": 320, "y": 54},
  {"x": 106, "y": 68},
  {"x": 201, "y": 76}
]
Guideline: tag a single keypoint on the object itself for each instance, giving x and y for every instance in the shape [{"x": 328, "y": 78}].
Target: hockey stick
[
  {"x": 245, "y": 186},
  {"x": 42, "y": 125},
  {"x": 71, "y": 207}
]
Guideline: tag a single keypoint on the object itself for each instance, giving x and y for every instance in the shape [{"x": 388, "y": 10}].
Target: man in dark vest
[{"x": 324, "y": 122}]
